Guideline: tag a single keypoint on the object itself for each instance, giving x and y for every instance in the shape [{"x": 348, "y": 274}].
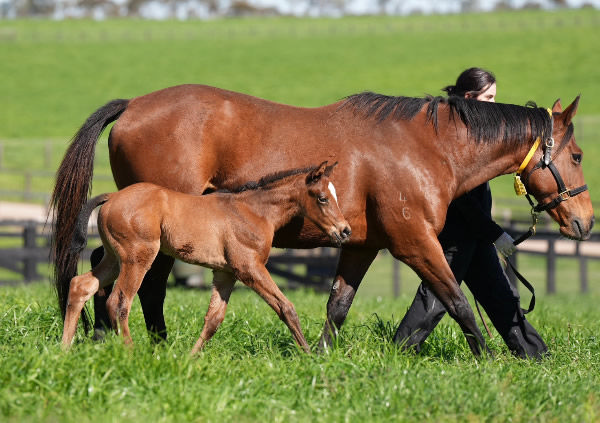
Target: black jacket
[{"x": 470, "y": 217}]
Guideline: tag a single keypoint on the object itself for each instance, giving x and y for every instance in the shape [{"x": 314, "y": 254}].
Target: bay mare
[
  {"x": 405, "y": 159},
  {"x": 229, "y": 233}
]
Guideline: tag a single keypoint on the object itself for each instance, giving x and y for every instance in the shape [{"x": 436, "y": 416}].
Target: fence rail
[
  {"x": 34, "y": 249},
  {"x": 552, "y": 245},
  {"x": 312, "y": 268}
]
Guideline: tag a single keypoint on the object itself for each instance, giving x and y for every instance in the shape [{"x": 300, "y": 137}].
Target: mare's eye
[
  {"x": 322, "y": 200},
  {"x": 576, "y": 158}
]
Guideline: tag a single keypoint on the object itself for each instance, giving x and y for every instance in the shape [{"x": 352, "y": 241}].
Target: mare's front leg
[
  {"x": 425, "y": 256},
  {"x": 223, "y": 283},
  {"x": 351, "y": 269},
  {"x": 152, "y": 296},
  {"x": 258, "y": 278}
]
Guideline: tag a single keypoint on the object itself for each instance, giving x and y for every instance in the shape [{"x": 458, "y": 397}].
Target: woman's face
[{"x": 488, "y": 95}]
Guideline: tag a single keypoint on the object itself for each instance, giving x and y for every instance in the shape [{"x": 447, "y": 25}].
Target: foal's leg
[
  {"x": 223, "y": 283},
  {"x": 351, "y": 269},
  {"x": 259, "y": 279},
  {"x": 134, "y": 265},
  {"x": 428, "y": 260},
  {"x": 81, "y": 289},
  {"x": 152, "y": 297}
]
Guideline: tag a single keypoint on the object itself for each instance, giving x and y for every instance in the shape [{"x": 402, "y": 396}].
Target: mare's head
[
  {"x": 555, "y": 177},
  {"x": 321, "y": 206}
]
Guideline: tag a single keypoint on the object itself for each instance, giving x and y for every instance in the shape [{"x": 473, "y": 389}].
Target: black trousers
[{"x": 477, "y": 264}]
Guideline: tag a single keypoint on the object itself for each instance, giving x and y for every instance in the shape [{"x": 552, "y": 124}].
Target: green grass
[{"x": 251, "y": 370}]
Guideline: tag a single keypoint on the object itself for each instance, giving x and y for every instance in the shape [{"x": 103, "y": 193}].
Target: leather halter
[{"x": 546, "y": 162}]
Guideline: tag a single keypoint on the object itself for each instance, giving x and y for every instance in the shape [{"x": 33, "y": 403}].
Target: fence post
[
  {"x": 583, "y": 274},
  {"x": 29, "y": 263},
  {"x": 551, "y": 268}
]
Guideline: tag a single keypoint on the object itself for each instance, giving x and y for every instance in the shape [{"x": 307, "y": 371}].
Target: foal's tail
[
  {"x": 79, "y": 239},
  {"x": 73, "y": 183}
]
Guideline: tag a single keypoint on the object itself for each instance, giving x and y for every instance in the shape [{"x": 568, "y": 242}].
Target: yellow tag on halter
[{"x": 519, "y": 186}]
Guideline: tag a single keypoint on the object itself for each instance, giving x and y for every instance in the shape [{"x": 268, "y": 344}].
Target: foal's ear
[
  {"x": 316, "y": 174},
  {"x": 557, "y": 107},
  {"x": 329, "y": 169}
]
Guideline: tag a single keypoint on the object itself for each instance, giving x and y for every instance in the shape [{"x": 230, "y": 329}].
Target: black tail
[
  {"x": 79, "y": 239},
  {"x": 73, "y": 183}
]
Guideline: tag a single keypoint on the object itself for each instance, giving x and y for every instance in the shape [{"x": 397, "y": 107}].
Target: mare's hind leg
[
  {"x": 259, "y": 279},
  {"x": 430, "y": 264},
  {"x": 81, "y": 289},
  {"x": 134, "y": 265},
  {"x": 152, "y": 296},
  {"x": 351, "y": 269},
  {"x": 223, "y": 283},
  {"x": 101, "y": 320}
]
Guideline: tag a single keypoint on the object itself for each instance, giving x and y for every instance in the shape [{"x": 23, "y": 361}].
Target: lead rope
[{"x": 521, "y": 190}]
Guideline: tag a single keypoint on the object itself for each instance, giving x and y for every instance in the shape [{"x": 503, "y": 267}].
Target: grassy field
[
  {"x": 55, "y": 74},
  {"x": 252, "y": 371}
]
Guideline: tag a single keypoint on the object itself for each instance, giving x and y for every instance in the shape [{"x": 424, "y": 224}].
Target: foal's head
[{"x": 321, "y": 205}]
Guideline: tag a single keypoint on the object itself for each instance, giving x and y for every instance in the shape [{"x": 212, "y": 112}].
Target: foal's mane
[
  {"x": 266, "y": 181},
  {"x": 485, "y": 121}
]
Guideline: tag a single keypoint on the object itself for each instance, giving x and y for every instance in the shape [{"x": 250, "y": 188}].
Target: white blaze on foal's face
[{"x": 332, "y": 190}]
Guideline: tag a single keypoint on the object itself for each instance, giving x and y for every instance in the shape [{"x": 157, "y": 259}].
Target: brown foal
[{"x": 229, "y": 232}]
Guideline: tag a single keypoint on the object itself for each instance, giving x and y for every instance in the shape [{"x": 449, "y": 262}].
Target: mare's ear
[
  {"x": 329, "y": 169},
  {"x": 567, "y": 115},
  {"x": 315, "y": 175},
  {"x": 557, "y": 107}
]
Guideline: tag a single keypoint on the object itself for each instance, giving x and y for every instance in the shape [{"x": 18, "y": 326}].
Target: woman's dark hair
[{"x": 473, "y": 81}]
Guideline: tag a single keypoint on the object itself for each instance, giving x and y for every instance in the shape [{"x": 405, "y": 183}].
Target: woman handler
[{"x": 468, "y": 239}]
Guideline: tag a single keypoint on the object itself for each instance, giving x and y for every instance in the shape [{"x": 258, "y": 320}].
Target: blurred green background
[{"x": 54, "y": 74}]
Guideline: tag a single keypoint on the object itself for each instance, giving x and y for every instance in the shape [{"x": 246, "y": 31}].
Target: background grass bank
[{"x": 55, "y": 74}]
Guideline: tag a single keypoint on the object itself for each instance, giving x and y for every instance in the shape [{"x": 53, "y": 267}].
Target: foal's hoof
[{"x": 99, "y": 334}]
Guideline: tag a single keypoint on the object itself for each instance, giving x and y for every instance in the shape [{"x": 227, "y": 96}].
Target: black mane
[
  {"x": 267, "y": 180},
  {"x": 485, "y": 121}
]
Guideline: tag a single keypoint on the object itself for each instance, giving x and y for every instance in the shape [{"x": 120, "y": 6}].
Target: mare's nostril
[
  {"x": 346, "y": 232},
  {"x": 577, "y": 227}
]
